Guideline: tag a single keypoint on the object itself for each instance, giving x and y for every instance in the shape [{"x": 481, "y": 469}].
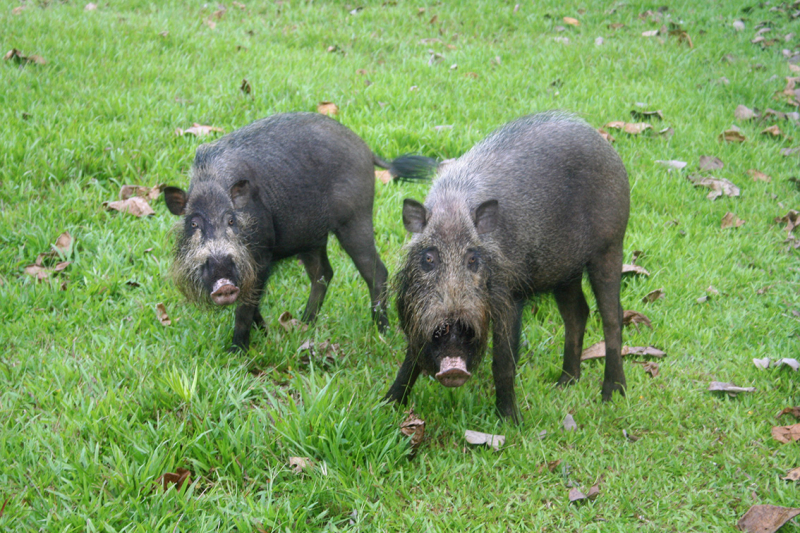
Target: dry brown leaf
[
  {"x": 135, "y": 205},
  {"x": 744, "y": 113},
  {"x": 773, "y": 130},
  {"x": 672, "y": 163},
  {"x": 198, "y": 130},
  {"x": 384, "y": 176},
  {"x": 595, "y": 351},
  {"x": 300, "y": 464},
  {"x": 327, "y": 351},
  {"x": 569, "y": 423},
  {"x": 147, "y": 193},
  {"x": 414, "y": 427},
  {"x": 575, "y": 495},
  {"x": 651, "y": 367},
  {"x": 550, "y": 466},
  {"x": 41, "y": 273},
  {"x": 718, "y": 186},
  {"x": 765, "y": 518},
  {"x": 19, "y": 58},
  {"x": 328, "y": 108},
  {"x": 485, "y": 439},
  {"x": 594, "y": 491},
  {"x": 709, "y": 162},
  {"x": 18, "y": 11},
  {"x": 730, "y": 388},
  {"x": 245, "y": 86},
  {"x": 179, "y": 478},
  {"x": 794, "y": 411},
  {"x": 786, "y": 152},
  {"x": 683, "y": 37},
  {"x": 790, "y": 219},
  {"x": 650, "y": 33},
  {"x": 731, "y": 221},
  {"x": 732, "y": 136},
  {"x": 605, "y": 135},
  {"x": 652, "y": 296},
  {"x": 571, "y": 21},
  {"x": 647, "y": 351},
  {"x": 634, "y": 269},
  {"x": 290, "y": 324},
  {"x": 90, "y": 7},
  {"x": 161, "y": 313},
  {"x": 631, "y": 128},
  {"x": 793, "y": 475},
  {"x": 758, "y": 175},
  {"x": 635, "y": 318}
]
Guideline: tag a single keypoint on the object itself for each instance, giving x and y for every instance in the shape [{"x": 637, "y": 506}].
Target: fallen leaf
[
  {"x": 790, "y": 219},
  {"x": 718, "y": 186},
  {"x": 41, "y": 273},
  {"x": 550, "y": 466},
  {"x": 650, "y": 33},
  {"x": 708, "y": 162},
  {"x": 576, "y": 495},
  {"x": 594, "y": 492},
  {"x": 147, "y": 193},
  {"x": 569, "y": 423},
  {"x": 786, "y": 434},
  {"x": 791, "y": 363},
  {"x": 773, "y": 130},
  {"x": 672, "y": 163},
  {"x": 644, "y": 115},
  {"x": 765, "y": 518},
  {"x": 414, "y": 427},
  {"x": 326, "y": 351},
  {"x": 718, "y": 386},
  {"x": 652, "y": 296},
  {"x": 786, "y": 152},
  {"x": 731, "y": 221},
  {"x": 738, "y": 25},
  {"x": 683, "y": 37},
  {"x": 245, "y": 87},
  {"x": 90, "y": 7},
  {"x": 651, "y": 367},
  {"x": 744, "y": 113},
  {"x": 17, "y": 57},
  {"x": 161, "y": 313},
  {"x": 758, "y": 175},
  {"x": 733, "y": 136},
  {"x": 328, "y": 108},
  {"x": 595, "y": 351},
  {"x": 666, "y": 132},
  {"x": 179, "y": 478},
  {"x": 290, "y": 324},
  {"x": 634, "y": 269},
  {"x": 794, "y": 411},
  {"x": 648, "y": 351},
  {"x": 599, "y": 41},
  {"x": 477, "y": 438},
  {"x": 793, "y": 475},
  {"x": 300, "y": 464},
  {"x": 635, "y": 318},
  {"x": 571, "y": 21},
  {"x": 18, "y": 11},
  {"x": 383, "y": 175},
  {"x": 135, "y": 205},
  {"x": 631, "y": 128},
  {"x": 629, "y": 436},
  {"x": 198, "y": 130},
  {"x": 607, "y": 136},
  {"x": 761, "y": 363}
]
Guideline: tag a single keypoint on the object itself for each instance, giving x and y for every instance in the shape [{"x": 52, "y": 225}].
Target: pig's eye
[
  {"x": 430, "y": 259},
  {"x": 194, "y": 224},
  {"x": 230, "y": 222},
  {"x": 473, "y": 260}
]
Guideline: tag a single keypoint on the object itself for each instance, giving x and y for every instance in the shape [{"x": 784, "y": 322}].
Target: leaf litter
[
  {"x": 598, "y": 350},
  {"x": 59, "y": 254},
  {"x": 289, "y": 323},
  {"x": 476, "y": 438},
  {"x": 709, "y": 162},
  {"x": 730, "y": 388},
  {"x": 179, "y": 478},
  {"x": 414, "y": 427},
  {"x": 718, "y": 186},
  {"x": 731, "y": 221},
  {"x": 765, "y": 518},
  {"x": 198, "y": 130}
]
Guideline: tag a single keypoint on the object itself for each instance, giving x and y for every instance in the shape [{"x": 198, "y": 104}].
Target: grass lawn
[{"x": 98, "y": 398}]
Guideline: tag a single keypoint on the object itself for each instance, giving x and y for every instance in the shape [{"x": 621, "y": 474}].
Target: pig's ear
[
  {"x": 240, "y": 194},
  {"x": 486, "y": 217},
  {"x": 176, "y": 200},
  {"x": 414, "y": 215}
]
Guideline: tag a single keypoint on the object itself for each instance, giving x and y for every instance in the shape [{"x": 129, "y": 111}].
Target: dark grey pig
[
  {"x": 527, "y": 210},
  {"x": 271, "y": 190}
]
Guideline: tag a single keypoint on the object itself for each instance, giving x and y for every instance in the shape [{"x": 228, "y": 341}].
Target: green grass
[{"x": 98, "y": 399}]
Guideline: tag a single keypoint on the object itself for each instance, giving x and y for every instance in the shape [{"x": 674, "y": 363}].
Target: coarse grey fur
[
  {"x": 272, "y": 190},
  {"x": 528, "y": 210}
]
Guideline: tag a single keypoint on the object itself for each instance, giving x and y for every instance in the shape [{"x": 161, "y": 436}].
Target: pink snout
[
  {"x": 452, "y": 372},
  {"x": 225, "y": 292}
]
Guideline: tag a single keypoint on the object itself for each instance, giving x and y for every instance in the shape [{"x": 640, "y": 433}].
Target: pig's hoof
[
  {"x": 609, "y": 388},
  {"x": 509, "y": 414},
  {"x": 566, "y": 380}
]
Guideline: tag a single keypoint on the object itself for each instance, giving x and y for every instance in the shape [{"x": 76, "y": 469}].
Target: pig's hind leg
[
  {"x": 574, "y": 311},
  {"x": 358, "y": 241},
  {"x": 605, "y": 273},
  {"x": 320, "y": 273}
]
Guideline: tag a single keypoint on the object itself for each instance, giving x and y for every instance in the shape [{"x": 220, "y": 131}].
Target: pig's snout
[
  {"x": 225, "y": 292},
  {"x": 453, "y": 336},
  {"x": 452, "y": 372}
]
